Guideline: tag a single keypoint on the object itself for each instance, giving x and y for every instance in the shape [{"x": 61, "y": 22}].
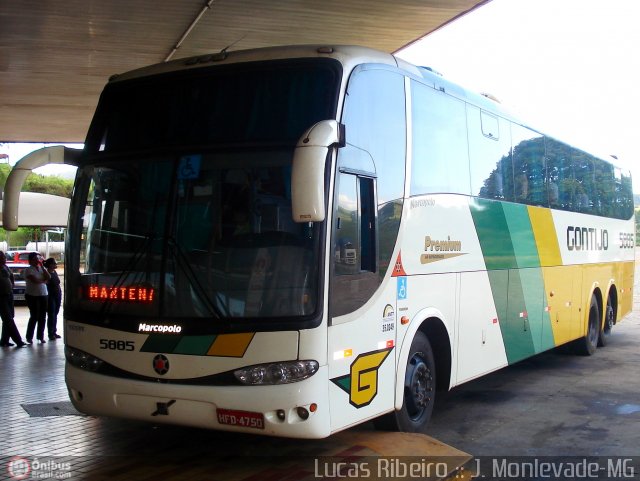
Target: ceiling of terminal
[{"x": 55, "y": 56}]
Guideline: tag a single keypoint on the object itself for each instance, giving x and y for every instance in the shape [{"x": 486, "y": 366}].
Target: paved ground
[
  {"x": 554, "y": 404},
  {"x": 551, "y": 404},
  {"x": 43, "y": 437}
]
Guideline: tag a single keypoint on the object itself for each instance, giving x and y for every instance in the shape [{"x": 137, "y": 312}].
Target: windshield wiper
[{"x": 218, "y": 311}]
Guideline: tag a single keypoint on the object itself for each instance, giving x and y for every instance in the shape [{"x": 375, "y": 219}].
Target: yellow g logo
[{"x": 362, "y": 382}]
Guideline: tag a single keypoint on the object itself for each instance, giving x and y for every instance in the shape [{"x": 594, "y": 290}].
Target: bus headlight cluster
[
  {"x": 82, "y": 360},
  {"x": 276, "y": 373}
]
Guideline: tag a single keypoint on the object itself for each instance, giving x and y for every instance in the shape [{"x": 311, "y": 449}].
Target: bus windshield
[
  {"x": 182, "y": 206},
  {"x": 204, "y": 236}
]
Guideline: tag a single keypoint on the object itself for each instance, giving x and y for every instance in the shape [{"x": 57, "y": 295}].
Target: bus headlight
[
  {"x": 276, "y": 373},
  {"x": 82, "y": 360}
]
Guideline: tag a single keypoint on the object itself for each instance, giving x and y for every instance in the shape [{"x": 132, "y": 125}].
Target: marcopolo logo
[{"x": 160, "y": 328}]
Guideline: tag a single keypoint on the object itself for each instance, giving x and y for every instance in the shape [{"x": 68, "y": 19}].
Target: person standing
[
  {"x": 7, "y": 313},
  {"x": 54, "y": 298},
  {"x": 36, "y": 295}
]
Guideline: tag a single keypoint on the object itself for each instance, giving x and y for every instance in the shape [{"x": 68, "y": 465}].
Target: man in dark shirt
[{"x": 7, "y": 313}]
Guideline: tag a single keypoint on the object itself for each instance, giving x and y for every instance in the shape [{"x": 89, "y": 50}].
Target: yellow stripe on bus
[
  {"x": 544, "y": 233},
  {"x": 557, "y": 279},
  {"x": 231, "y": 345}
]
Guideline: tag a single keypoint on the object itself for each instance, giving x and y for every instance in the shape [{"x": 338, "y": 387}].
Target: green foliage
[
  {"x": 21, "y": 237},
  {"x": 52, "y": 185},
  {"x": 4, "y": 173}
]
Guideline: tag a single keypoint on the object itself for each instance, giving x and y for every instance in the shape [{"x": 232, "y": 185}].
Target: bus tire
[
  {"x": 419, "y": 391},
  {"x": 609, "y": 321},
  {"x": 588, "y": 344}
]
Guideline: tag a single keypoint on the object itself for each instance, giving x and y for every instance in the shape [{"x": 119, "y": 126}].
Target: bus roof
[{"x": 349, "y": 56}]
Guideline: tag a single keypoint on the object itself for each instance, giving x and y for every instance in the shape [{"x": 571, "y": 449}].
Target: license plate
[{"x": 245, "y": 419}]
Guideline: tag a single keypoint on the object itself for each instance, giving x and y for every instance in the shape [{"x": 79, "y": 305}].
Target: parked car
[
  {"x": 19, "y": 257},
  {"x": 20, "y": 284}
]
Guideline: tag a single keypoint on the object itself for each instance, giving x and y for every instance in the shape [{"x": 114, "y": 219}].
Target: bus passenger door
[
  {"x": 366, "y": 213},
  {"x": 361, "y": 334}
]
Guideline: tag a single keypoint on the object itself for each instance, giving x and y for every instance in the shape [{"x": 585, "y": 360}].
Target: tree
[{"x": 51, "y": 184}]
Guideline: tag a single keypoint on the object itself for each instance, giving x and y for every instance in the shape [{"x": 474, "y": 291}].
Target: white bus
[{"x": 291, "y": 241}]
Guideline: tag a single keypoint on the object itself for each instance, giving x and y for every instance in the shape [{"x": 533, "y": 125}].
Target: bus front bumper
[{"x": 299, "y": 410}]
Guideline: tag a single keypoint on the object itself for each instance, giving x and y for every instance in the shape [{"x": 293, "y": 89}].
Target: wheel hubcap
[
  {"x": 418, "y": 387},
  {"x": 608, "y": 321}
]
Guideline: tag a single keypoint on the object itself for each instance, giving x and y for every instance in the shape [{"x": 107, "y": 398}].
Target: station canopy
[{"x": 56, "y": 56}]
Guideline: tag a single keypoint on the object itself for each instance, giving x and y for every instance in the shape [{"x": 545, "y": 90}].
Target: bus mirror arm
[
  {"x": 307, "y": 175},
  {"x": 58, "y": 154}
]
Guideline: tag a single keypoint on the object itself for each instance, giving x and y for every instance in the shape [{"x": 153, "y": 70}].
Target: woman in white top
[{"x": 36, "y": 277}]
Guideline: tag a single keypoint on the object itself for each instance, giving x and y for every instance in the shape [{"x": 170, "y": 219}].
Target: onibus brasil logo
[{"x": 19, "y": 467}]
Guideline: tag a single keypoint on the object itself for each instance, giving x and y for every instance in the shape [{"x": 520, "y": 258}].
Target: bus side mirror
[
  {"x": 57, "y": 154},
  {"x": 307, "y": 176}
]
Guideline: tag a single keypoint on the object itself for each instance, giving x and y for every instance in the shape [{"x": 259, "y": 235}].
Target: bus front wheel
[{"x": 419, "y": 391}]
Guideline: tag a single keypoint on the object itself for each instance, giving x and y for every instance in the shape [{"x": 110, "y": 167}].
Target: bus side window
[
  {"x": 528, "y": 166},
  {"x": 369, "y": 185},
  {"x": 490, "y": 155},
  {"x": 354, "y": 244},
  {"x": 561, "y": 183},
  {"x": 346, "y": 246},
  {"x": 355, "y": 232},
  {"x": 440, "y": 151}
]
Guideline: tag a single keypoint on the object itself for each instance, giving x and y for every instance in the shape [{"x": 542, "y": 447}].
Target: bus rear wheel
[
  {"x": 419, "y": 391},
  {"x": 588, "y": 344},
  {"x": 609, "y": 321}
]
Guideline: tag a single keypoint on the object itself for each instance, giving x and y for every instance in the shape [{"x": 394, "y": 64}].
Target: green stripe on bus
[
  {"x": 493, "y": 233},
  {"x": 160, "y": 343},
  {"x": 521, "y": 234},
  {"x": 195, "y": 345},
  {"x": 539, "y": 321},
  {"x": 517, "y": 284},
  {"x": 531, "y": 278}
]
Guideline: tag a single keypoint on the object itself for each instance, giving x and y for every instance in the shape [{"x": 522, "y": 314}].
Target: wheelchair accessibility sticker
[
  {"x": 189, "y": 167},
  {"x": 402, "y": 287}
]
